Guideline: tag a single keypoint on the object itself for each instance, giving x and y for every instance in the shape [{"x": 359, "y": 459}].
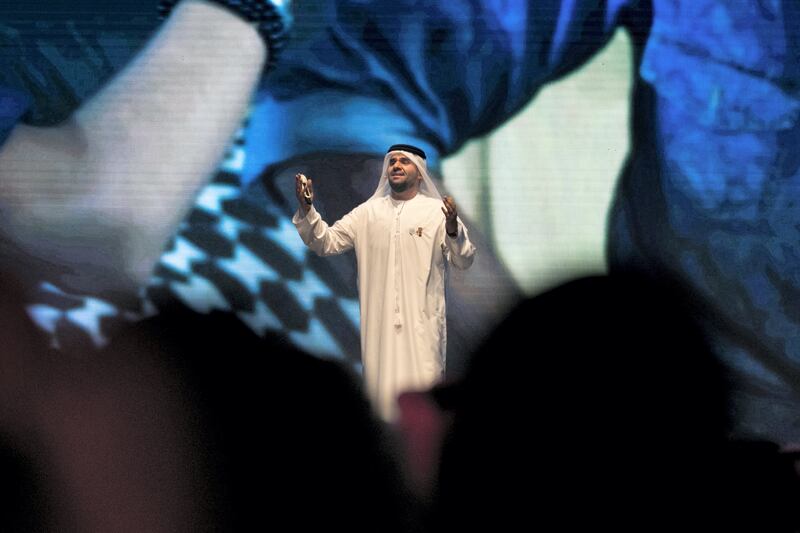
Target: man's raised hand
[
  {"x": 450, "y": 215},
  {"x": 304, "y": 191}
]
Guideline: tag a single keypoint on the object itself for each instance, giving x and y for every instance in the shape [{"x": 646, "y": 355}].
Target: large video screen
[
  {"x": 148, "y": 162},
  {"x": 533, "y": 189}
]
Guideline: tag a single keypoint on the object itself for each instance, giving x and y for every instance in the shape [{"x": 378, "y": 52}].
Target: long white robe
[{"x": 403, "y": 252}]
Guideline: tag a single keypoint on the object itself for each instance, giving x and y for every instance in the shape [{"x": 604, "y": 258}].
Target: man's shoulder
[
  {"x": 375, "y": 200},
  {"x": 371, "y": 203},
  {"x": 420, "y": 202},
  {"x": 427, "y": 203}
]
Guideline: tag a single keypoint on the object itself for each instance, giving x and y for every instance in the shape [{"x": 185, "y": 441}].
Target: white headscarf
[{"x": 426, "y": 185}]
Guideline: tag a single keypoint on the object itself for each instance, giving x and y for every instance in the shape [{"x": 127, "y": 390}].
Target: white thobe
[{"x": 403, "y": 251}]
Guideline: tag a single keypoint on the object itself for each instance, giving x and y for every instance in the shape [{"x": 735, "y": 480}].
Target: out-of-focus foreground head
[{"x": 599, "y": 403}]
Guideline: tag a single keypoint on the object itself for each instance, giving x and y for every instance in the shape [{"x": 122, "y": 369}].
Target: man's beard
[{"x": 400, "y": 186}]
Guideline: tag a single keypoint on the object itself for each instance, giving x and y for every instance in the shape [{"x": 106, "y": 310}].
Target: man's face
[{"x": 403, "y": 173}]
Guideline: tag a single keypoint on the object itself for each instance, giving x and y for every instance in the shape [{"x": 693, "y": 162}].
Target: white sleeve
[
  {"x": 460, "y": 251},
  {"x": 323, "y": 239}
]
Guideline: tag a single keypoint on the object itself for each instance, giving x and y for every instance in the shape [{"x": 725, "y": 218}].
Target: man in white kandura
[{"x": 403, "y": 245}]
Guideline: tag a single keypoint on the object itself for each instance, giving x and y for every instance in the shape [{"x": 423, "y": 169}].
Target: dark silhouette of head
[
  {"x": 599, "y": 403},
  {"x": 286, "y": 438},
  {"x": 189, "y": 422}
]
